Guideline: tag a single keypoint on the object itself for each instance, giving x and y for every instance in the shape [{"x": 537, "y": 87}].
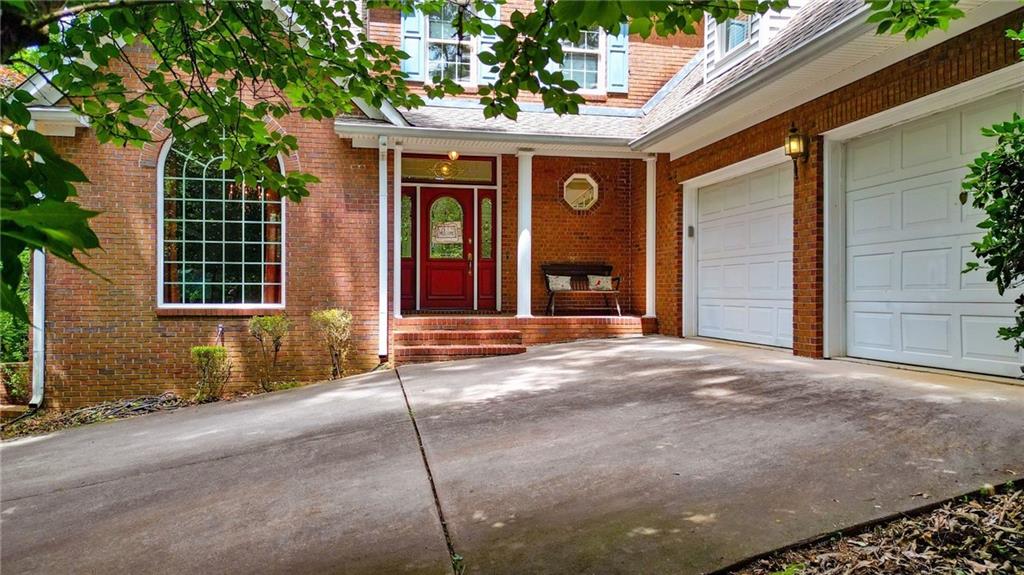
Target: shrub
[
  {"x": 15, "y": 381},
  {"x": 335, "y": 327},
  {"x": 14, "y": 339},
  {"x": 270, "y": 331},
  {"x": 995, "y": 185},
  {"x": 214, "y": 369}
]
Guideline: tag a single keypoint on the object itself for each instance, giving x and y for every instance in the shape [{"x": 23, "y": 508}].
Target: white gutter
[
  {"x": 38, "y": 328},
  {"x": 853, "y": 26},
  {"x": 347, "y": 129}
]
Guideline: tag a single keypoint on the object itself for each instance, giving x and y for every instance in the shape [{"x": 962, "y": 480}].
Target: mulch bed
[
  {"x": 46, "y": 422},
  {"x": 984, "y": 534}
]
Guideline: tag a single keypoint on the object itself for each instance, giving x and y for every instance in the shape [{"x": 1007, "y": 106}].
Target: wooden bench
[{"x": 578, "y": 280}]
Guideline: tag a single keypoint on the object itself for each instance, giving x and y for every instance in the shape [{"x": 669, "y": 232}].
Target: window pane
[
  {"x": 448, "y": 61},
  {"x": 215, "y": 248},
  {"x": 486, "y": 229},
  {"x": 406, "y": 226},
  {"x": 582, "y": 68},
  {"x": 446, "y": 229},
  {"x": 736, "y": 32}
]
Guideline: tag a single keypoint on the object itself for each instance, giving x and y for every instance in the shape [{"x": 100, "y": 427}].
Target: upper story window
[
  {"x": 598, "y": 62},
  {"x": 583, "y": 60},
  {"x": 735, "y": 32},
  {"x": 448, "y": 58},
  {"x": 221, "y": 243}
]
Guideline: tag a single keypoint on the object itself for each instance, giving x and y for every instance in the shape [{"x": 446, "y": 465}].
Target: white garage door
[
  {"x": 745, "y": 258},
  {"x": 908, "y": 238}
]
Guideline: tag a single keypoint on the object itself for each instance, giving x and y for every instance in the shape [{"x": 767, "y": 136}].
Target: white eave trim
[
  {"x": 346, "y": 130},
  {"x": 829, "y": 38},
  {"x": 62, "y": 121}
]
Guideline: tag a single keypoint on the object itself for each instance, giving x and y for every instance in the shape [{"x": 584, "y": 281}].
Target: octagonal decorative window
[{"x": 580, "y": 192}]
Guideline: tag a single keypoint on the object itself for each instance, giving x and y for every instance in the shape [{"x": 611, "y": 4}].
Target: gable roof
[{"x": 814, "y": 20}]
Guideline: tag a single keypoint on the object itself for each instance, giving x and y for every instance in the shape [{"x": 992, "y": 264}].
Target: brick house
[{"x": 673, "y": 174}]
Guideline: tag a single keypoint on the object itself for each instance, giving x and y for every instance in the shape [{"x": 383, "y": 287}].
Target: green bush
[
  {"x": 214, "y": 369},
  {"x": 996, "y": 185},
  {"x": 14, "y": 341},
  {"x": 15, "y": 380},
  {"x": 270, "y": 331},
  {"x": 335, "y": 328}
]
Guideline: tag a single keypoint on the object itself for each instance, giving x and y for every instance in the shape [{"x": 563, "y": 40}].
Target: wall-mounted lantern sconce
[
  {"x": 453, "y": 155},
  {"x": 796, "y": 146}
]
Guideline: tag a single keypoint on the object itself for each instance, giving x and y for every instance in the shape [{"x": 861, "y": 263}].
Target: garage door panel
[
  {"x": 923, "y": 270},
  {"x": 909, "y": 238},
  {"x": 746, "y": 278},
  {"x": 929, "y": 142},
  {"x": 982, "y": 115},
  {"x": 922, "y": 207},
  {"x": 745, "y": 253},
  {"x": 945, "y": 335},
  {"x": 766, "y": 322}
]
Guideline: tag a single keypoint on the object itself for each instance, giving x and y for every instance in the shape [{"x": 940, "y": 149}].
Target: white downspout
[
  {"x": 38, "y": 328},
  {"x": 382, "y": 247}
]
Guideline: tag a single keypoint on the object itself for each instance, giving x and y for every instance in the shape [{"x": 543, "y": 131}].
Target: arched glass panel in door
[{"x": 446, "y": 223}]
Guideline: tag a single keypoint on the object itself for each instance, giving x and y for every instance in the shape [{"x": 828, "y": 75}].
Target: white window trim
[
  {"x": 721, "y": 33},
  {"x": 474, "y": 50},
  {"x": 590, "y": 180},
  {"x": 602, "y": 63},
  {"x": 160, "y": 246}
]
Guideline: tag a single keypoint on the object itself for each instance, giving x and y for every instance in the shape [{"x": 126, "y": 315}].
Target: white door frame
[
  {"x": 835, "y": 181},
  {"x": 690, "y": 189}
]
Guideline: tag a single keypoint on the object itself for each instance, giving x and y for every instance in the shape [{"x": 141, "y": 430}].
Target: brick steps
[
  {"x": 435, "y": 337},
  {"x": 420, "y": 339},
  {"x": 428, "y": 353}
]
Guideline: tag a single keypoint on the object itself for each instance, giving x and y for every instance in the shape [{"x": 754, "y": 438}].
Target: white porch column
[
  {"x": 524, "y": 245},
  {"x": 382, "y": 246},
  {"x": 396, "y": 215},
  {"x": 649, "y": 235}
]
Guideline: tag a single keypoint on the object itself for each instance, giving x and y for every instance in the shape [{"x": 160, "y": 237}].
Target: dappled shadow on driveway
[{"x": 665, "y": 455}]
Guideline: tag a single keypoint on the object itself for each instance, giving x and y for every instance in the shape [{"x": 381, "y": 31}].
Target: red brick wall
[
  {"x": 106, "y": 339},
  {"x": 603, "y": 233},
  {"x": 651, "y": 62},
  {"x": 970, "y": 55}
]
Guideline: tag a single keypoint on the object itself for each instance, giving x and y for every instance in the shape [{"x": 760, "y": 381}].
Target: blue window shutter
[
  {"x": 412, "y": 44},
  {"x": 484, "y": 73},
  {"x": 618, "y": 61}
]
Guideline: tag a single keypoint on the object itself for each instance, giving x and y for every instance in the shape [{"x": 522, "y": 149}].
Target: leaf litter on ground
[{"x": 976, "y": 535}]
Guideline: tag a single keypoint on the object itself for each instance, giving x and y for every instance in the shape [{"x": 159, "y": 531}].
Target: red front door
[{"x": 446, "y": 249}]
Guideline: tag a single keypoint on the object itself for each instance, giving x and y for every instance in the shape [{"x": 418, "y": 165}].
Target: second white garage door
[
  {"x": 745, "y": 258},
  {"x": 907, "y": 240}
]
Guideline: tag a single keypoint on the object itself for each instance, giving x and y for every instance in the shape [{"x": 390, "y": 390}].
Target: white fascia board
[
  {"x": 348, "y": 130},
  {"x": 62, "y": 121},
  {"x": 829, "y": 38}
]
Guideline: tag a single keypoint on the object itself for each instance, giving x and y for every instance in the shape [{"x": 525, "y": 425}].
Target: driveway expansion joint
[{"x": 456, "y": 560}]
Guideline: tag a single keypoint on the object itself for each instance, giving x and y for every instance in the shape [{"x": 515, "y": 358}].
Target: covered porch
[{"x": 471, "y": 221}]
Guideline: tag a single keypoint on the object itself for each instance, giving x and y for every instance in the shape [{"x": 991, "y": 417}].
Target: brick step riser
[
  {"x": 453, "y": 337},
  {"x": 423, "y": 354}
]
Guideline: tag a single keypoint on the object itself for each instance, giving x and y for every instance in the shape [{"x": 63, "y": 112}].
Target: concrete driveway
[{"x": 614, "y": 456}]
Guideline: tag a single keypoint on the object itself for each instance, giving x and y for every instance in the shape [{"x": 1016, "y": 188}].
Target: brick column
[{"x": 809, "y": 253}]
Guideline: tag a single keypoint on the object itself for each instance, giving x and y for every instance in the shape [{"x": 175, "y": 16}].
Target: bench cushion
[
  {"x": 559, "y": 283},
  {"x": 599, "y": 283}
]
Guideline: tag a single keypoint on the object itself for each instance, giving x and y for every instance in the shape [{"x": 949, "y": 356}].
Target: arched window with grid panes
[{"x": 221, "y": 242}]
